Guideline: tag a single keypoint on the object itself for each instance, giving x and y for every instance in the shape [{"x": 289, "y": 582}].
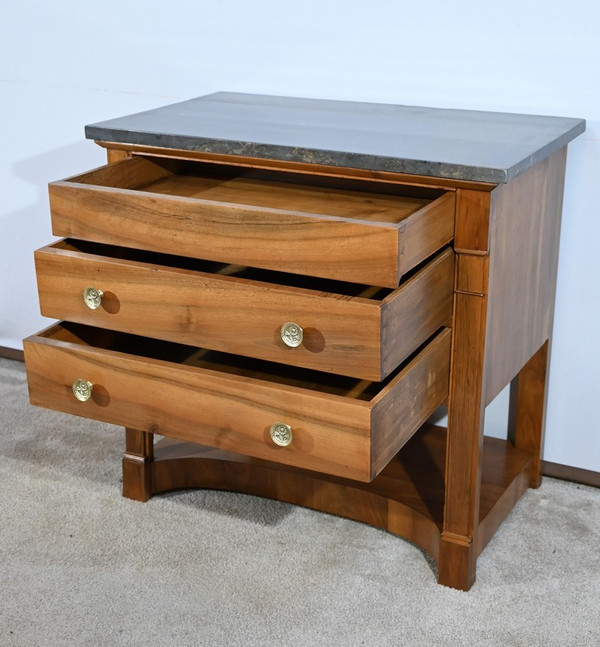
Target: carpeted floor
[{"x": 81, "y": 566}]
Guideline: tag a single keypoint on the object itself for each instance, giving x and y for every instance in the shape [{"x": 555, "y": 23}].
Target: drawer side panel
[
  {"x": 426, "y": 231},
  {"x": 409, "y": 401},
  {"x": 414, "y": 313}
]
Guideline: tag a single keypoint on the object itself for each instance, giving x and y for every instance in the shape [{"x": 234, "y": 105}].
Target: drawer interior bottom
[
  {"x": 221, "y": 362},
  {"x": 300, "y": 281}
]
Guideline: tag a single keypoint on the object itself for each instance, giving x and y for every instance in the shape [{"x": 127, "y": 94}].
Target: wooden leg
[
  {"x": 137, "y": 464},
  {"x": 528, "y": 392},
  {"x": 458, "y": 546}
]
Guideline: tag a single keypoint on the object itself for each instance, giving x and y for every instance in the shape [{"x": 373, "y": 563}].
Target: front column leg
[
  {"x": 137, "y": 464},
  {"x": 458, "y": 546},
  {"x": 466, "y": 400}
]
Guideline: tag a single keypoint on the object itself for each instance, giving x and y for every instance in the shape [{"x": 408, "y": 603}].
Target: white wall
[{"x": 65, "y": 63}]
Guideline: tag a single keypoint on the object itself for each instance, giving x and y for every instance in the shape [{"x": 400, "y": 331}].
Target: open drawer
[
  {"x": 274, "y": 220},
  {"x": 343, "y": 328},
  {"x": 333, "y": 424}
]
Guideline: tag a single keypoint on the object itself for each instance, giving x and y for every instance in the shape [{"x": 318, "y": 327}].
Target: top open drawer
[{"x": 356, "y": 231}]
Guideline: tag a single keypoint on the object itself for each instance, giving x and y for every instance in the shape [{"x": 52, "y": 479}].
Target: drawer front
[
  {"x": 349, "y": 335},
  {"x": 347, "y": 235},
  {"x": 339, "y": 427}
]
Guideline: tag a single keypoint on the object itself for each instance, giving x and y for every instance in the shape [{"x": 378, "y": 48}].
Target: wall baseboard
[
  {"x": 12, "y": 353},
  {"x": 568, "y": 473},
  {"x": 553, "y": 470}
]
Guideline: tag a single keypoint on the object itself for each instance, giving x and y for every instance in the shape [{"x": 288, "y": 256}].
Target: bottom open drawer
[{"x": 335, "y": 425}]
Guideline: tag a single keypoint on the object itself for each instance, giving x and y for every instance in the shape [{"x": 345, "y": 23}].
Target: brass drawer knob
[
  {"x": 82, "y": 389},
  {"x": 292, "y": 334},
  {"x": 281, "y": 434},
  {"x": 92, "y": 297}
]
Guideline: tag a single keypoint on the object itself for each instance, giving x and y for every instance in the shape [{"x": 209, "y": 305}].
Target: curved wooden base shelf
[{"x": 406, "y": 499}]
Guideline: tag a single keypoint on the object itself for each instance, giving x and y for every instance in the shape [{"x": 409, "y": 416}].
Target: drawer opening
[
  {"x": 347, "y": 231},
  {"x": 88, "y": 336},
  {"x": 265, "y": 189},
  {"x": 299, "y": 281}
]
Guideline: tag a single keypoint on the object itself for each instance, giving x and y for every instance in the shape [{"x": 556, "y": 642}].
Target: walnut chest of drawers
[{"x": 287, "y": 289}]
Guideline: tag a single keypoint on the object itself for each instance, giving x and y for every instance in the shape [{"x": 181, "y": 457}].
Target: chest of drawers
[{"x": 286, "y": 290}]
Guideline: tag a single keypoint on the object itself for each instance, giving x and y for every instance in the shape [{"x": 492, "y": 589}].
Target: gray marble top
[{"x": 447, "y": 143}]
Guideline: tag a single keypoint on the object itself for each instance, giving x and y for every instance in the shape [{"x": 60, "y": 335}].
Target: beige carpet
[{"x": 80, "y": 565}]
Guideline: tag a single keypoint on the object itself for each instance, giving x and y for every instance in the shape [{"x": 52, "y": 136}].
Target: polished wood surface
[
  {"x": 348, "y": 329},
  {"x": 506, "y": 244},
  {"x": 501, "y": 488},
  {"x": 358, "y": 448},
  {"x": 124, "y": 173},
  {"x": 407, "y": 498},
  {"x": 401, "y": 407},
  {"x": 339, "y": 426},
  {"x": 528, "y": 392},
  {"x": 425, "y": 231},
  {"x": 465, "y": 434},
  {"x": 471, "y": 274},
  {"x": 525, "y": 216},
  {"x": 287, "y": 196},
  {"x": 137, "y": 473},
  {"x": 416, "y": 310},
  {"x": 472, "y": 222},
  {"x": 458, "y": 550},
  {"x": 339, "y": 234},
  {"x": 116, "y": 155}
]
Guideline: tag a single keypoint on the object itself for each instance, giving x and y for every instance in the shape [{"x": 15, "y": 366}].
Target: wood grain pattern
[
  {"x": 528, "y": 392},
  {"x": 446, "y": 492},
  {"x": 458, "y": 553},
  {"x": 472, "y": 221},
  {"x": 501, "y": 488},
  {"x": 377, "y": 238},
  {"x": 471, "y": 273},
  {"x": 246, "y": 236},
  {"x": 183, "y": 466},
  {"x": 126, "y": 173},
  {"x": 292, "y": 196},
  {"x": 406, "y": 498},
  {"x": 115, "y": 155},
  {"x": 348, "y": 335},
  {"x": 400, "y": 410},
  {"x": 410, "y": 316},
  {"x": 526, "y": 216},
  {"x": 137, "y": 471},
  {"x": 466, "y": 407},
  {"x": 426, "y": 231},
  {"x": 500, "y": 322},
  {"x": 331, "y": 433}
]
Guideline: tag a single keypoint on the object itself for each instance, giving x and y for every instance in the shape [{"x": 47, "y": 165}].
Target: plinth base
[{"x": 406, "y": 499}]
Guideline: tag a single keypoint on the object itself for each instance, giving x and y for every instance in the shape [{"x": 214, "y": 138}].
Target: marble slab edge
[{"x": 333, "y": 158}]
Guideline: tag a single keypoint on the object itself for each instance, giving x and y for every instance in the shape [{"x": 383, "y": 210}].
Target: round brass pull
[
  {"x": 292, "y": 334},
  {"x": 92, "y": 297},
  {"x": 82, "y": 389},
  {"x": 281, "y": 434}
]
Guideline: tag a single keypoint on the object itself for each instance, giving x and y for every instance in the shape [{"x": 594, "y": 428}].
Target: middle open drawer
[{"x": 343, "y": 328}]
